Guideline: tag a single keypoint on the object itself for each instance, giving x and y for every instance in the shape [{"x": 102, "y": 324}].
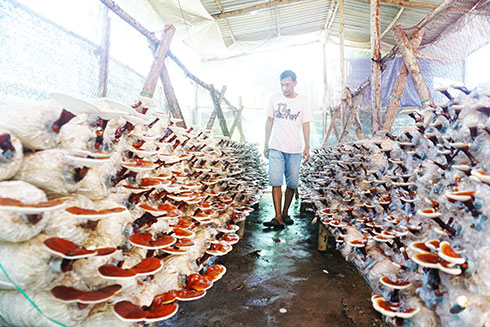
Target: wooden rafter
[
  {"x": 268, "y": 4},
  {"x": 408, "y": 4},
  {"x": 393, "y": 22},
  {"x": 238, "y": 12},
  {"x": 220, "y": 6},
  {"x": 278, "y": 22}
]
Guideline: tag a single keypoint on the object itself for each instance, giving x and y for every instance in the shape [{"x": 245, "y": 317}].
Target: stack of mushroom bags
[
  {"x": 110, "y": 216},
  {"x": 411, "y": 211}
]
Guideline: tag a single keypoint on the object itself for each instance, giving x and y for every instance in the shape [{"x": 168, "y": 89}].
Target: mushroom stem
[
  {"x": 434, "y": 279},
  {"x": 445, "y": 226},
  {"x": 394, "y": 297}
]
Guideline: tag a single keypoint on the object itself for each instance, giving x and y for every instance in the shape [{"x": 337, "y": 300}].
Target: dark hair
[{"x": 288, "y": 73}]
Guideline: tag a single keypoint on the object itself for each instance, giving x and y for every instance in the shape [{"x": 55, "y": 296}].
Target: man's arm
[
  {"x": 268, "y": 129},
  {"x": 306, "y": 134}
]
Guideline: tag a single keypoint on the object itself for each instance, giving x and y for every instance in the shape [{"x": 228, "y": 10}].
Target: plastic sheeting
[{"x": 360, "y": 69}]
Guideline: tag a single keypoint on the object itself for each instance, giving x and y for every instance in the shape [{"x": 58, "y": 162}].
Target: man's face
[{"x": 287, "y": 86}]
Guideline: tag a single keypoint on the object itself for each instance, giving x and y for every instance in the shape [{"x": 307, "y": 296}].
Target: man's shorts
[{"x": 284, "y": 164}]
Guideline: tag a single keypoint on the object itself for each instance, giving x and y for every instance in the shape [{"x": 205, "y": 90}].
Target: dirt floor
[{"x": 278, "y": 278}]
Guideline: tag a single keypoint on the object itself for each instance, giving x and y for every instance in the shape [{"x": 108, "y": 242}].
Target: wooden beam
[
  {"x": 212, "y": 118},
  {"x": 408, "y": 4},
  {"x": 158, "y": 62},
  {"x": 351, "y": 112},
  {"x": 173, "y": 104},
  {"x": 399, "y": 87},
  {"x": 375, "y": 66},
  {"x": 268, "y": 4},
  {"x": 220, "y": 6},
  {"x": 219, "y": 112},
  {"x": 392, "y": 23},
  {"x": 413, "y": 67},
  {"x": 104, "y": 51}
]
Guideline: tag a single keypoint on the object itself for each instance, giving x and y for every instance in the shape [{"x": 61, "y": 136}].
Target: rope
[
  {"x": 29, "y": 299},
  {"x": 395, "y": 97},
  {"x": 426, "y": 100}
]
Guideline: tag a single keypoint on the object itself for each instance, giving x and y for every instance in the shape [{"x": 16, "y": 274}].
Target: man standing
[{"x": 287, "y": 114}]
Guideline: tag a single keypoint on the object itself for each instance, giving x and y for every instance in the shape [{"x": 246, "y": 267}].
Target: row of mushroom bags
[
  {"x": 411, "y": 211},
  {"x": 110, "y": 215}
]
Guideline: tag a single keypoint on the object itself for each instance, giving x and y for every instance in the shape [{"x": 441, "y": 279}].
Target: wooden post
[
  {"x": 173, "y": 104},
  {"x": 158, "y": 62},
  {"x": 236, "y": 121},
  {"x": 353, "y": 108},
  {"x": 240, "y": 127},
  {"x": 375, "y": 66},
  {"x": 212, "y": 118},
  {"x": 104, "y": 51},
  {"x": 413, "y": 66},
  {"x": 399, "y": 87},
  {"x": 241, "y": 231},
  {"x": 342, "y": 58},
  {"x": 322, "y": 237},
  {"x": 153, "y": 41},
  {"x": 219, "y": 113},
  {"x": 196, "y": 105}
]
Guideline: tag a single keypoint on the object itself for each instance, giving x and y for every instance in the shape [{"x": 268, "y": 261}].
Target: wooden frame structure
[
  {"x": 407, "y": 45},
  {"x": 159, "y": 70}
]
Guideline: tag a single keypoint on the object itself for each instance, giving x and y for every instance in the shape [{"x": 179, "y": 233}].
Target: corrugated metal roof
[{"x": 303, "y": 16}]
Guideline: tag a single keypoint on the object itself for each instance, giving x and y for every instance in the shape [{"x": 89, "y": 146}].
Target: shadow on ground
[{"x": 277, "y": 278}]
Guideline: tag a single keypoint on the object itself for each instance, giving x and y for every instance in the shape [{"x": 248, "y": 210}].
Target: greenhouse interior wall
[{"x": 55, "y": 59}]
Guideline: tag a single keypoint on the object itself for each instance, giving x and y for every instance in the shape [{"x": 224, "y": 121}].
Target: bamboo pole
[
  {"x": 413, "y": 66},
  {"x": 104, "y": 51},
  {"x": 353, "y": 108},
  {"x": 375, "y": 66},
  {"x": 399, "y": 87}
]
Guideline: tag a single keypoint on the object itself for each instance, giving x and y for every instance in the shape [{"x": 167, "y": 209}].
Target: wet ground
[{"x": 278, "y": 278}]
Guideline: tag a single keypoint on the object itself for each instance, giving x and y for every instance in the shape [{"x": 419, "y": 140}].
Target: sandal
[
  {"x": 273, "y": 223},
  {"x": 287, "y": 220}
]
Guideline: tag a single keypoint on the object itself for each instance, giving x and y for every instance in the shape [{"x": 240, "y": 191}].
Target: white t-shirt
[{"x": 289, "y": 115}]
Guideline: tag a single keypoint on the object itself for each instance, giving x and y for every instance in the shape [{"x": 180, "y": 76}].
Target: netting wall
[{"x": 39, "y": 57}]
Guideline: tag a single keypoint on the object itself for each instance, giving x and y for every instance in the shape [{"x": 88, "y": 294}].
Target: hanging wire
[{"x": 186, "y": 27}]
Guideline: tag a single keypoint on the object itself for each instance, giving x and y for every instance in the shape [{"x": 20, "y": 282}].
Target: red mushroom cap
[
  {"x": 94, "y": 214},
  {"x": 189, "y": 295},
  {"x": 429, "y": 260},
  {"x": 115, "y": 272},
  {"x": 18, "y": 206},
  {"x": 230, "y": 238},
  {"x": 448, "y": 254},
  {"x": 161, "y": 312},
  {"x": 127, "y": 311},
  {"x": 67, "y": 249},
  {"x": 147, "y": 266},
  {"x": 70, "y": 294},
  {"x": 215, "y": 272},
  {"x": 399, "y": 284},
  {"x": 198, "y": 282},
  {"x": 145, "y": 240},
  {"x": 164, "y": 298}
]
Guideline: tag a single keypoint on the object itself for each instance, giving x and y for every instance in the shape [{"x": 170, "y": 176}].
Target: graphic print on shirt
[{"x": 284, "y": 112}]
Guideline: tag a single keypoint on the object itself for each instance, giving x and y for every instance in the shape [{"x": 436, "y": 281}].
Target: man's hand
[
  {"x": 266, "y": 152},
  {"x": 306, "y": 153}
]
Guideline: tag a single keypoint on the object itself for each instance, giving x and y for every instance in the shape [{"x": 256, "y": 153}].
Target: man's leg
[
  {"x": 288, "y": 197},
  {"x": 277, "y": 199},
  {"x": 292, "y": 166},
  {"x": 276, "y": 176}
]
